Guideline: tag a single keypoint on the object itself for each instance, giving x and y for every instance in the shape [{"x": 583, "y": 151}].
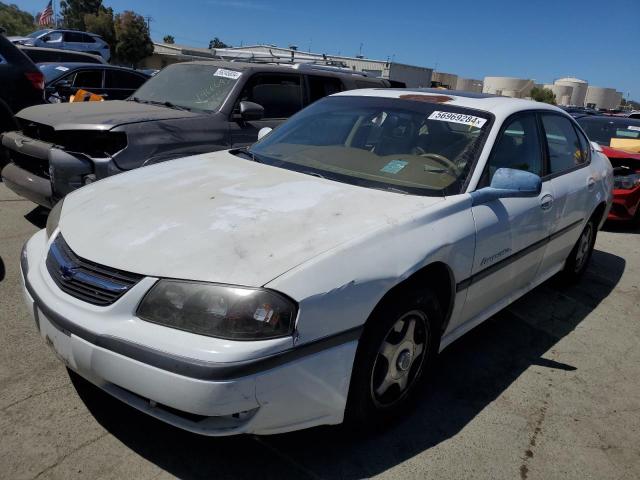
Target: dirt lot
[{"x": 548, "y": 389}]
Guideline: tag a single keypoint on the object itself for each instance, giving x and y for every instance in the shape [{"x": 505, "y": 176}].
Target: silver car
[{"x": 66, "y": 40}]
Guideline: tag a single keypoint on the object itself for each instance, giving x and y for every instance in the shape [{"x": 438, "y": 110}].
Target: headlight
[
  {"x": 54, "y": 218},
  {"x": 626, "y": 182},
  {"x": 223, "y": 311}
]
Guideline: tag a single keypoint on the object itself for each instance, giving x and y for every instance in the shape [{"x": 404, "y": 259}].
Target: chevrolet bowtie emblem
[{"x": 67, "y": 272}]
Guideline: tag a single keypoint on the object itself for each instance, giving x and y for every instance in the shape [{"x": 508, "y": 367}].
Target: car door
[
  {"x": 88, "y": 79},
  {"x": 73, "y": 41},
  {"x": 568, "y": 153},
  {"x": 511, "y": 233},
  {"x": 120, "y": 84},
  {"x": 280, "y": 94}
]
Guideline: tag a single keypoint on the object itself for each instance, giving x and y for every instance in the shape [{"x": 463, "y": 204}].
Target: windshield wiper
[
  {"x": 164, "y": 104},
  {"x": 247, "y": 153},
  {"x": 313, "y": 174},
  {"x": 174, "y": 106}
]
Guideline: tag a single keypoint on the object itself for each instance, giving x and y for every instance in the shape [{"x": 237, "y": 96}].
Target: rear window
[{"x": 605, "y": 131}]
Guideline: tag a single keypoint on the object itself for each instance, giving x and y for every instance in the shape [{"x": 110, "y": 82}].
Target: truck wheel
[{"x": 397, "y": 348}]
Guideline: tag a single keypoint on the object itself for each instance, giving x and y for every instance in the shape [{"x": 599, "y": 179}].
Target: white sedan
[{"x": 312, "y": 278}]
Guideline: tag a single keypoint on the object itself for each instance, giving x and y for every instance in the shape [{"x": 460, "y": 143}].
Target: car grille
[
  {"x": 35, "y": 165},
  {"x": 86, "y": 280}
]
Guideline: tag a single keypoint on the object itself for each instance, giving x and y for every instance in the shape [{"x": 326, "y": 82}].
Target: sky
[{"x": 596, "y": 40}]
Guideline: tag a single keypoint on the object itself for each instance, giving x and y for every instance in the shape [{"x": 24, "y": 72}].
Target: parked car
[
  {"x": 619, "y": 138},
  {"x": 21, "y": 85},
  {"x": 47, "y": 55},
  {"x": 62, "y": 80},
  {"x": 634, "y": 114},
  {"x": 66, "y": 40},
  {"x": 186, "y": 109},
  {"x": 314, "y": 277}
]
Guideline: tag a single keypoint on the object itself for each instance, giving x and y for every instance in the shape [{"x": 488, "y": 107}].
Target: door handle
[
  {"x": 546, "y": 202},
  {"x": 591, "y": 183}
]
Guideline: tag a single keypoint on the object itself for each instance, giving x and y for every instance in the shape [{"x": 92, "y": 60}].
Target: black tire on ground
[
  {"x": 372, "y": 402},
  {"x": 578, "y": 260}
]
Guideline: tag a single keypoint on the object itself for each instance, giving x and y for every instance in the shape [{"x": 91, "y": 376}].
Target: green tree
[
  {"x": 74, "y": 11},
  {"x": 217, "y": 43},
  {"x": 169, "y": 39},
  {"x": 102, "y": 24},
  {"x": 132, "y": 38},
  {"x": 15, "y": 21},
  {"x": 543, "y": 95}
]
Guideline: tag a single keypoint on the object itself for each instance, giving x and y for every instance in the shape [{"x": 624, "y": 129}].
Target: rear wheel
[
  {"x": 578, "y": 260},
  {"x": 396, "y": 350}
]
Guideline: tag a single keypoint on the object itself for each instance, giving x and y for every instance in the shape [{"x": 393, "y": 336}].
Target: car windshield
[
  {"x": 51, "y": 71},
  {"x": 406, "y": 145},
  {"x": 611, "y": 132},
  {"x": 190, "y": 86},
  {"x": 37, "y": 33}
]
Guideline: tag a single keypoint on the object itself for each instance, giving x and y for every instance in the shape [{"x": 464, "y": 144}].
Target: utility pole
[{"x": 149, "y": 19}]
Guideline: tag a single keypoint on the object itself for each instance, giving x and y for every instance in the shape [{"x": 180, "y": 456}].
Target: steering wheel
[{"x": 441, "y": 159}]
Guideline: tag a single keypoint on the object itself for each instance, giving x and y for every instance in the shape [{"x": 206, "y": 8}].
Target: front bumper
[
  {"x": 276, "y": 391},
  {"x": 43, "y": 173}
]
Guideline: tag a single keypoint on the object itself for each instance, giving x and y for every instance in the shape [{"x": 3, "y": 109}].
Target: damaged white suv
[{"x": 313, "y": 277}]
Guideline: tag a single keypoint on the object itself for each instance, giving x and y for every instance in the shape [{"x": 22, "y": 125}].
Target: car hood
[
  {"x": 219, "y": 218},
  {"x": 21, "y": 40},
  {"x": 619, "y": 153},
  {"x": 98, "y": 115}
]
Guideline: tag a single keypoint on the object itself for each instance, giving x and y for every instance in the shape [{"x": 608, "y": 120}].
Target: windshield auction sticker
[
  {"x": 223, "y": 72},
  {"x": 458, "y": 118}
]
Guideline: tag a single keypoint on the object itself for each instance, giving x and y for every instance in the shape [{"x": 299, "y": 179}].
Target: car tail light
[{"x": 36, "y": 79}]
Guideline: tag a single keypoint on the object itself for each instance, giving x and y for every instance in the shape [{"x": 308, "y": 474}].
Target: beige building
[
  {"x": 602, "y": 98},
  {"x": 469, "y": 85},
  {"x": 446, "y": 80},
  {"x": 579, "y": 91}
]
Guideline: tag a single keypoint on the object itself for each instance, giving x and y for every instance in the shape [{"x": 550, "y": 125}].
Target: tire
[
  {"x": 578, "y": 260},
  {"x": 376, "y": 392}
]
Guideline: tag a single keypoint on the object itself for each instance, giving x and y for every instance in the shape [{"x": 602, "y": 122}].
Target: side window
[
  {"x": 517, "y": 147},
  {"x": 118, "y": 79},
  {"x": 585, "y": 147},
  {"x": 73, "y": 37},
  {"x": 88, "y": 38},
  {"x": 320, "y": 87},
  {"x": 565, "y": 151},
  {"x": 88, "y": 79},
  {"x": 52, "y": 37},
  {"x": 280, "y": 95}
]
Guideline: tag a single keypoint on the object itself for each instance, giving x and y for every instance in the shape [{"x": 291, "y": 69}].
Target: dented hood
[
  {"x": 219, "y": 218},
  {"x": 98, "y": 115}
]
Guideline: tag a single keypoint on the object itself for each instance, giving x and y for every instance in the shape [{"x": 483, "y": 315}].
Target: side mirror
[
  {"x": 63, "y": 84},
  {"x": 251, "y": 111},
  {"x": 264, "y": 131},
  {"x": 508, "y": 183}
]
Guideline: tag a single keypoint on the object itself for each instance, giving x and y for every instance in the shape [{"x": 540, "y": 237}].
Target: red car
[{"x": 620, "y": 141}]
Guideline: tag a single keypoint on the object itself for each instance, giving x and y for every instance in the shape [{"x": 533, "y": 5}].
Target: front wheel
[
  {"x": 578, "y": 259},
  {"x": 397, "y": 349}
]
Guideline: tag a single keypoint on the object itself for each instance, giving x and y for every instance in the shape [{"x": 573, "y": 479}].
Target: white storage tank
[
  {"x": 508, "y": 86},
  {"x": 562, "y": 93},
  {"x": 579, "y": 89}
]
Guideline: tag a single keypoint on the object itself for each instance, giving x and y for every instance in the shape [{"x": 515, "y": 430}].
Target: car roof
[
  {"x": 610, "y": 119},
  {"x": 104, "y": 66},
  {"x": 286, "y": 67},
  {"x": 499, "y": 106}
]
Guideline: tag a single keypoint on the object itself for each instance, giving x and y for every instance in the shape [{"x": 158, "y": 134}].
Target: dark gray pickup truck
[{"x": 186, "y": 109}]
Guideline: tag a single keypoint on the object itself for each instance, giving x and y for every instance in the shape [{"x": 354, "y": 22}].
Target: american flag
[{"x": 47, "y": 14}]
